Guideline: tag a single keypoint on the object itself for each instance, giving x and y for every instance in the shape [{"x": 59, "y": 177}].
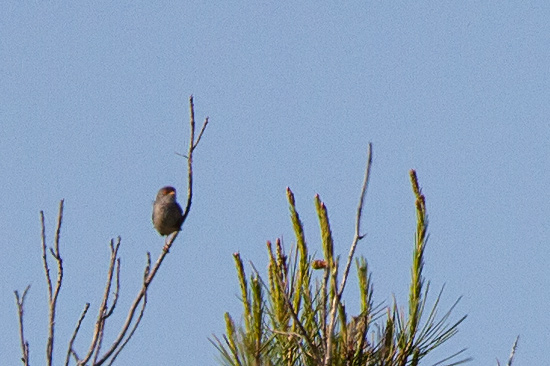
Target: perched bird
[{"x": 167, "y": 213}]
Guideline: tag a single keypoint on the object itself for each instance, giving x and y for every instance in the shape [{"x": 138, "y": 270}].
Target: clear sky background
[{"x": 94, "y": 105}]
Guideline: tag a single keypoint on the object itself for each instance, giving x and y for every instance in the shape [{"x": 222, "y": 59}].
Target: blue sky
[{"x": 95, "y": 103}]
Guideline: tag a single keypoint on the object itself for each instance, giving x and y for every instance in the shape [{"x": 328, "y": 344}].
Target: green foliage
[{"x": 296, "y": 317}]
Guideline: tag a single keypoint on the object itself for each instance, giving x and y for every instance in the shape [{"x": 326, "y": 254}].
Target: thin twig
[
  {"x": 53, "y": 296},
  {"x": 20, "y": 309},
  {"x": 200, "y": 133},
  {"x": 46, "y": 272},
  {"x": 75, "y": 355},
  {"x": 135, "y": 304},
  {"x": 109, "y": 312},
  {"x": 132, "y": 331},
  {"x": 140, "y": 316},
  {"x": 73, "y": 337},
  {"x": 97, "y": 337},
  {"x": 192, "y": 147},
  {"x": 101, "y": 331},
  {"x": 45, "y": 257},
  {"x": 153, "y": 271},
  {"x": 513, "y": 353},
  {"x": 117, "y": 290},
  {"x": 357, "y": 237}
]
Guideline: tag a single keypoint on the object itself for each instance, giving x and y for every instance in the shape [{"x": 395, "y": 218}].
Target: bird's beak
[{"x": 171, "y": 193}]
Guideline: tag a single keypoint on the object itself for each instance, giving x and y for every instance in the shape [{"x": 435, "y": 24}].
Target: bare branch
[
  {"x": 117, "y": 290},
  {"x": 100, "y": 322},
  {"x": 152, "y": 271},
  {"x": 183, "y": 156},
  {"x": 512, "y": 354},
  {"x": 139, "y": 318},
  {"x": 192, "y": 146},
  {"x": 357, "y": 237},
  {"x": 75, "y": 355},
  {"x": 45, "y": 257},
  {"x": 58, "y": 229},
  {"x": 20, "y": 309},
  {"x": 135, "y": 304},
  {"x": 73, "y": 337},
  {"x": 147, "y": 267},
  {"x": 53, "y": 296},
  {"x": 200, "y": 133}
]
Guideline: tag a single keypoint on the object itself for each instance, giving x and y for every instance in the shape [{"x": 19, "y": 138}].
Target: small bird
[{"x": 167, "y": 213}]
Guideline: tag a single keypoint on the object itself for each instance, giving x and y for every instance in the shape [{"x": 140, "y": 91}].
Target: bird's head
[{"x": 167, "y": 193}]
